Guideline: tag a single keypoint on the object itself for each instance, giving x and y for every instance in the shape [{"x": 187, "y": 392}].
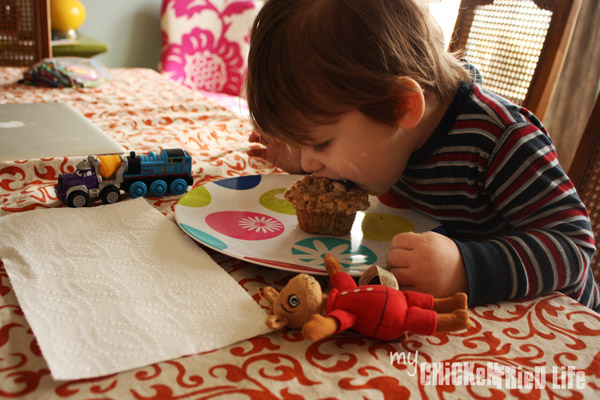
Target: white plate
[{"x": 249, "y": 219}]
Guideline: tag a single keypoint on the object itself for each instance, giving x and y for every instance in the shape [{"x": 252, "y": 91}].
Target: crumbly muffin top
[{"x": 323, "y": 195}]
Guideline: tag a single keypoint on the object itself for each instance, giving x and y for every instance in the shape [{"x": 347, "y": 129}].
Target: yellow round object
[
  {"x": 66, "y": 14},
  {"x": 383, "y": 227}
]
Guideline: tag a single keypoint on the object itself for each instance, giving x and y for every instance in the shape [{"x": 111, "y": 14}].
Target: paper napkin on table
[{"x": 116, "y": 287}]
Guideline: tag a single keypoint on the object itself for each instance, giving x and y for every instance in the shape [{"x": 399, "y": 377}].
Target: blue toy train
[{"x": 105, "y": 176}]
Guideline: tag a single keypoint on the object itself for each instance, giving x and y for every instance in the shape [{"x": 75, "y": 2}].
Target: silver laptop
[{"x": 42, "y": 130}]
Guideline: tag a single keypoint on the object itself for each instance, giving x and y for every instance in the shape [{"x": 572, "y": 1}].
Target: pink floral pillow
[{"x": 205, "y": 43}]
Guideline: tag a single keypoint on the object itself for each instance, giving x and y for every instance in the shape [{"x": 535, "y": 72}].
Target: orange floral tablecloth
[{"x": 548, "y": 347}]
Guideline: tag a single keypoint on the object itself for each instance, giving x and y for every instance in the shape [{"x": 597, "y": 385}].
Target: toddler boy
[{"x": 364, "y": 90}]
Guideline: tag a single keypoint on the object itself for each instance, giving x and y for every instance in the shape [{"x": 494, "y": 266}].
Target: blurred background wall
[{"x": 130, "y": 28}]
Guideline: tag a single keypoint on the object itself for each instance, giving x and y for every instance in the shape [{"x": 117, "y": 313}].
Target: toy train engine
[
  {"x": 105, "y": 177},
  {"x": 169, "y": 171}
]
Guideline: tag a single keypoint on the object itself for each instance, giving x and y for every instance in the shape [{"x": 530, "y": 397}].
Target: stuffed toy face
[{"x": 295, "y": 304}]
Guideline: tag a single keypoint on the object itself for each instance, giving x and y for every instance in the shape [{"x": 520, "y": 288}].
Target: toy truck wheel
[
  {"x": 178, "y": 186},
  {"x": 158, "y": 188},
  {"x": 110, "y": 195},
  {"x": 78, "y": 199},
  {"x": 138, "y": 189}
]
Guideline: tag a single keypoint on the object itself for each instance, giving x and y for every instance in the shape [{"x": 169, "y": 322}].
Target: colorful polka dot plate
[{"x": 248, "y": 218}]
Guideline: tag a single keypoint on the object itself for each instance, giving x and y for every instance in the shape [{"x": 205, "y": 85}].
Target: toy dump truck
[{"x": 106, "y": 176}]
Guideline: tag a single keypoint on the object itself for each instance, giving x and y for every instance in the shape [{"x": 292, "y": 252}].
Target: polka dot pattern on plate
[
  {"x": 240, "y": 183},
  {"x": 273, "y": 200},
  {"x": 248, "y": 218},
  {"x": 312, "y": 250},
  {"x": 245, "y": 225},
  {"x": 383, "y": 227},
  {"x": 198, "y": 197}
]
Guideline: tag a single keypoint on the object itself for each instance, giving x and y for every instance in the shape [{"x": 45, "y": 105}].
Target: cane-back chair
[
  {"x": 24, "y": 32},
  {"x": 518, "y": 46},
  {"x": 585, "y": 174}
]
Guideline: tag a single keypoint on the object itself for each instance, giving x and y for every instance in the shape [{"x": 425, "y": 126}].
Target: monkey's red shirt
[{"x": 379, "y": 311}]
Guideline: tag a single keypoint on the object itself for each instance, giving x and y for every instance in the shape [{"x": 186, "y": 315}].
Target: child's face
[{"x": 371, "y": 154}]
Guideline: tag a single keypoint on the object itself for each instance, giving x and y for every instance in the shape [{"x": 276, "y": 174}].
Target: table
[{"x": 546, "y": 347}]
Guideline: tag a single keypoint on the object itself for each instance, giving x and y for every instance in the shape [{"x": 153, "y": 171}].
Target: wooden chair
[
  {"x": 24, "y": 32},
  {"x": 518, "y": 45},
  {"x": 585, "y": 174}
]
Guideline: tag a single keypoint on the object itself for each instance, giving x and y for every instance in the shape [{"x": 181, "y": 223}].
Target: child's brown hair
[{"x": 312, "y": 60}]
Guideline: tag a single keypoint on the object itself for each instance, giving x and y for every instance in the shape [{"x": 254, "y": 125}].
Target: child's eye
[{"x": 322, "y": 146}]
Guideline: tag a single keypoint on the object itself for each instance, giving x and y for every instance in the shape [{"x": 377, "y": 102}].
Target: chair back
[
  {"x": 518, "y": 46},
  {"x": 205, "y": 44},
  {"x": 24, "y": 32},
  {"x": 585, "y": 174}
]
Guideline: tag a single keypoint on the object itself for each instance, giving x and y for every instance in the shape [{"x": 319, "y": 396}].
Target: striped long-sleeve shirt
[{"x": 490, "y": 175}]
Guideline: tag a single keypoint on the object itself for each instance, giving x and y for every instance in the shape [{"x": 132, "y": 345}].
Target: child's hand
[
  {"x": 276, "y": 152},
  {"x": 427, "y": 262}
]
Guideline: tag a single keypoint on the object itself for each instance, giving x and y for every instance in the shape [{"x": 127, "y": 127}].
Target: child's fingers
[
  {"x": 404, "y": 277},
  {"x": 400, "y": 261},
  {"x": 257, "y": 152},
  {"x": 399, "y": 257},
  {"x": 256, "y": 138},
  {"x": 405, "y": 240}
]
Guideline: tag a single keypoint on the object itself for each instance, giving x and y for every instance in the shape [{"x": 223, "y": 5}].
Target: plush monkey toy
[{"x": 377, "y": 311}]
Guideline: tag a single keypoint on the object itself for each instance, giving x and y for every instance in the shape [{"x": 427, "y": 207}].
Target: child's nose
[{"x": 308, "y": 162}]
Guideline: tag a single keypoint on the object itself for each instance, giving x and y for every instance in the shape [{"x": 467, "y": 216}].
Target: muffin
[{"x": 324, "y": 206}]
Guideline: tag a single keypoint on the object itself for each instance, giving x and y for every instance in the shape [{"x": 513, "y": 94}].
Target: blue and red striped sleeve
[{"x": 491, "y": 175}]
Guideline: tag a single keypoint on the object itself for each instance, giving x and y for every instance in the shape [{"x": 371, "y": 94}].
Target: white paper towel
[{"x": 116, "y": 287}]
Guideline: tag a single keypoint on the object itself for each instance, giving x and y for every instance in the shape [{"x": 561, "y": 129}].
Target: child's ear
[{"x": 410, "y": 104}]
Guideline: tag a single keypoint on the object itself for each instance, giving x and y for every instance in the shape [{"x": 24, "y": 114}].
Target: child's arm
[
  {"x": 548, "y": 243},
  {"x": 545, "y": 242},
  {"x": 276, "y": 152}
]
